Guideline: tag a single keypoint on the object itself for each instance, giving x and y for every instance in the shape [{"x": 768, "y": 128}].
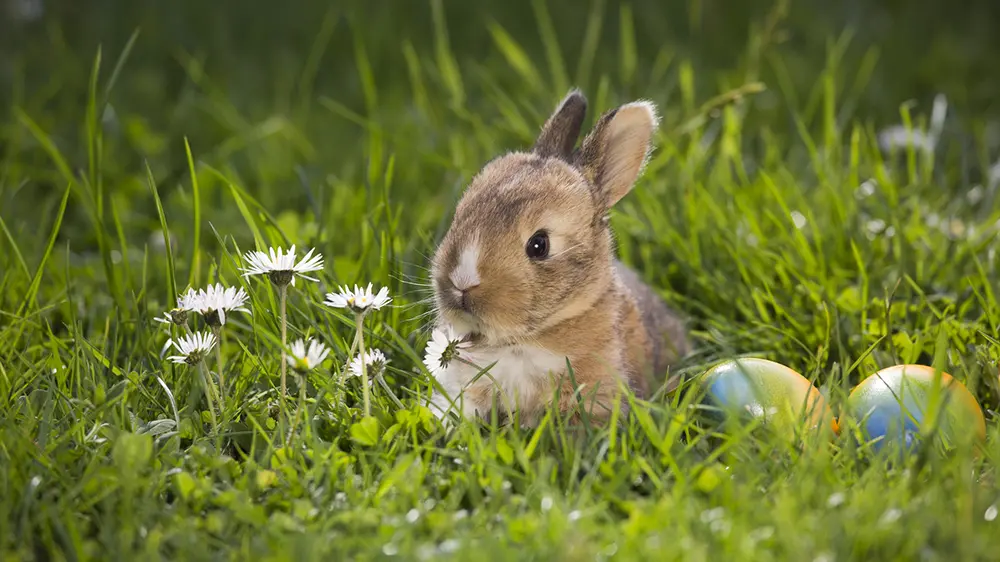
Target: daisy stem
[
  {"x": 282, "y": 292},
  {"x": 218, "y": 363},
  {"x": 298, "y": 410},
  {"x": 365, "y": 392},
  {"x": 354, "y": 344},
  {"x": 341, "y": 384},
  {"x": 209, "y": 395}
]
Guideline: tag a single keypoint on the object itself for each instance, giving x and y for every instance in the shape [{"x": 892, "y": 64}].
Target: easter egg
[
  {"x": 896, "y": 403},
  {"x": 767, "y": 391}
]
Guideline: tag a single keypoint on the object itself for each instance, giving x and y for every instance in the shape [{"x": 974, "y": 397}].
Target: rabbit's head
[{"x": 530, "y": 246}]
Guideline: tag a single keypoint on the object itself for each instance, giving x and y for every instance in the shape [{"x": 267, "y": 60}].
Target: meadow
[{"x": 146, "y": 148}]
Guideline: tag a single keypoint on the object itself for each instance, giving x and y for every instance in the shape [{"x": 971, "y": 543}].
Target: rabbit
[{"x": 527, "y": 270}]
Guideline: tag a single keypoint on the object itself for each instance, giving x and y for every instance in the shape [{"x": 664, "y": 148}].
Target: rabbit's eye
[{"x": 538, "y": 246}]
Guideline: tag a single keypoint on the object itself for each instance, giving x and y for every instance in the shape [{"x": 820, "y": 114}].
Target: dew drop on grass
[
  {"x": 991, "y": 513},
  {"x": 994, "y": 175},
  {"x": 890, "y": 516},
  {"x": 761, "y": 534},
  {"x": 546, "y": 503},
  {"x": 835, "y": 499},
  {"x": 874, "y": 227},
  {"x": 27, "y": 10},
  {"x": 390, "y": 549},
  {"x": 713, "y": 514},
  {"x": 426, "y": 552},
  {"x": 866, "y": 189},
  {"x": 721, "y": 527},
  {"x": 412, "y": 516},
  {"x": 798, "y": 219}
]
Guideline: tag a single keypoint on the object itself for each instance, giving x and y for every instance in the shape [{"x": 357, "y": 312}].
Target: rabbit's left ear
[
  {"x": 614, "y": 153},
  {"x": 559, "y": 134}
]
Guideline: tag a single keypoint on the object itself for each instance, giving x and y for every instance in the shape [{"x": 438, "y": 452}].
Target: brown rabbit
[{"x": 527, "y": 271}]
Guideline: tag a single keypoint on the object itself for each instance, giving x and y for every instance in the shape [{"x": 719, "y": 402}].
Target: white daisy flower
[
  {"x": 443, "y": 348},
  {"x": 178, "y": 315},
  {"x": 192, "y": 347},
  {"x": 359, "y": 300},
  {"x": 175, "y": 316},
  {"x": 216, "y": 300},
  {"x": 307, "y": 355},
  {"x": 280, "y": 266},
  {"x": 375, "y": 363},
  {"x": 189, "y": 300},
  {"x": 898, "y": 136}
]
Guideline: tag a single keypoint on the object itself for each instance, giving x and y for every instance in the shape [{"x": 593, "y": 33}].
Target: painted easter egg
[
  {"x": 765, "y": 390},
  {"x": 896, "y": 403}
]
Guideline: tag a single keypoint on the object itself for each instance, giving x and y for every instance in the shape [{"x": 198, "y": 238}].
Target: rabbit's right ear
[
  {"x": 614, "y": 153},
  {"x": 560, "y": 132}
]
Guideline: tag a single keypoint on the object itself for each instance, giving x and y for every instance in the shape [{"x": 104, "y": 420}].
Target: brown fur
[{"x": 578, "y": 303}]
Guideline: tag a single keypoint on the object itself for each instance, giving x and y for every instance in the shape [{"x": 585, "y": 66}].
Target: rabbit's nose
[
  {"x": 462, "y": 294},
  {"x": 463, "y": 300}
]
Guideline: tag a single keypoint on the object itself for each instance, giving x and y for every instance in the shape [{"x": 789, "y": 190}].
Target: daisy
[
  {"x": 359, "y": 300},
  {"x": 216, "y": 300},
  {"x": 899, "y": 136},
  {"x": 307, "y": 357},
  {"x": 174, "y": 316},
  {"x": 280, "y": 266},
  {"x": 375, "y": 363},
  {"x": 192, "y": 347},
  {"x": 178, "y": 315},
  {"x": 443, "y": 348}
]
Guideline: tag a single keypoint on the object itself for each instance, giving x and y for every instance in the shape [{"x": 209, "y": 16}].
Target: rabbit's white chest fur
[{"x": 524, "y": 373}]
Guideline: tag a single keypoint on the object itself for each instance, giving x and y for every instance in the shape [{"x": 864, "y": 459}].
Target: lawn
[{"x": 146, "y": 147}]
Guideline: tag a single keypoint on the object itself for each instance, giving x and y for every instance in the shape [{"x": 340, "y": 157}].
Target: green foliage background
[{"x": 768, "y": 214}]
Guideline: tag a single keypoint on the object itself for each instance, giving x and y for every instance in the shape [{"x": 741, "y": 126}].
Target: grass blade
[
  {"x": 195, "y": 268},
  {"x": 168, "y": 248},
  {"x": 14, "y": 248},
  {"x": 36, "y": 281},
  {"x": 550, "y": 39}
]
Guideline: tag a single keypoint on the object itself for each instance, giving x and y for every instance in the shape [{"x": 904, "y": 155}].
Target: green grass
[{"x": 134, "y": 165}]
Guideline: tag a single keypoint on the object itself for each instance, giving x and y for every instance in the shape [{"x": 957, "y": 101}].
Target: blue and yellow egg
[
  {"x": 903, "y": 402},
  {"x": 768, "y": 391}
]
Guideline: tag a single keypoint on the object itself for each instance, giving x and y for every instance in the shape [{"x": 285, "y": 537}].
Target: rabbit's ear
[
  {"x": 614, "y": 153},
  {"x": 560, "y": 132}
]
